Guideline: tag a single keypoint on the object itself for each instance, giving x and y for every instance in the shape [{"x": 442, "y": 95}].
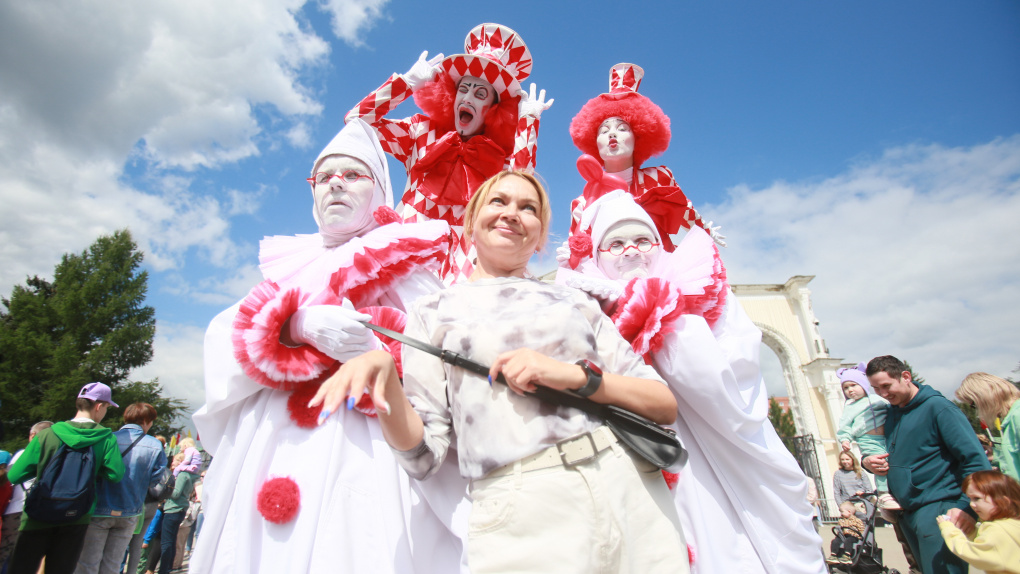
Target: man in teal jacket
[
  {"x": 932, "y": 448},
  {"x": 61, "y": 544}
]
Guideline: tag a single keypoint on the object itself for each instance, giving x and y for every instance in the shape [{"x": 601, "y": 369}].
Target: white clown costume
[
  {"x": 742, "y": 498},
  {"x": 443, "y": 170},
  {"x": 284, "y": 494}
]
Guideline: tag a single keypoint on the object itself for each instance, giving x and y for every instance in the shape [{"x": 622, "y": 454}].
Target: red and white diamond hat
[{"x": 495, "y": 54}]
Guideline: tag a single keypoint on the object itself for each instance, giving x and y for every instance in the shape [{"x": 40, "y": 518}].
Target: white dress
[
  {"x": 742, "y": 497},
  {"x": 356, "y": 509}
]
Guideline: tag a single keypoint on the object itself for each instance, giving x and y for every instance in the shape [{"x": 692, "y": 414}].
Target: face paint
[
  {"x": 631, "y": 262},
  {"x": 615, "y": 142},
  {"x": 343, "y": 205},
  {"x": 474, "y": 98}
]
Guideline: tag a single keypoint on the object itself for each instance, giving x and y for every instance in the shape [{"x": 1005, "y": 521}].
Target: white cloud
[
  {"x": 182, "y": 85},
  {"x": 915, "y": 254},
  {"x": 351, "y": 18},
  {"x": 177, "y": 363}
]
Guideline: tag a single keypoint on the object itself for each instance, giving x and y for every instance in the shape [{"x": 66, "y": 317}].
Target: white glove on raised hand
[
  {"x": 334, "y": 330},
  {"x": 532, "y": 106},
  {"x": 563, "y": 253},
  {"x": 713, "y": 232},
  {"x": 422, "y": 71}
]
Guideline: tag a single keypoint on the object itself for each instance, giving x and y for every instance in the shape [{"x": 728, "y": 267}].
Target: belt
[{"x": 569, "y": 452}]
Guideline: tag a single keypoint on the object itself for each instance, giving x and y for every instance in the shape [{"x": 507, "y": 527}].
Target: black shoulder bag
[{"x": 659, "y": 446}]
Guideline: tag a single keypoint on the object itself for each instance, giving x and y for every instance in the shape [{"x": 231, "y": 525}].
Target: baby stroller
[{"x": 866, "y": 556}]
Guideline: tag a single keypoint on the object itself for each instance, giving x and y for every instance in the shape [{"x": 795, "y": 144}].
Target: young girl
[
  {"x": 853, "y": 531},
  {"x": 995, "y": 545},
  {"x": 863, "y": 421}
]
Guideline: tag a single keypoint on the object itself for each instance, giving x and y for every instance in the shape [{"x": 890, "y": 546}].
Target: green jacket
[
  {"x": 38, "y": 453},
  {"x": 932, "y": 448},
  {"x": 1008, "y": 456},
  {"x": 184, "y": 485}
]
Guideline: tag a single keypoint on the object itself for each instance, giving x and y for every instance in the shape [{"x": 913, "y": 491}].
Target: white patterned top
[{"x": 493, "y": 425}]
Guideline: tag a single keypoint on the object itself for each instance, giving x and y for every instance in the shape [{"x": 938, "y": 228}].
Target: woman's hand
[
  {"x": 524, "y": 369},
  {"x": 845, "y": 444},
  {"x": 877, "y": 464},
  {"x": 372, "y": 372}
]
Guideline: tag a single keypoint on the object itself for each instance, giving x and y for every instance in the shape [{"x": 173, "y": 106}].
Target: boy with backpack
[{"x": 65, "y": 459}]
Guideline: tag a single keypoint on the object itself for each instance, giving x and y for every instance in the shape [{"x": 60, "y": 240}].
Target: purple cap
[
  {"x": 855, "y": 375},
  {"x": 97, "y": 392}
]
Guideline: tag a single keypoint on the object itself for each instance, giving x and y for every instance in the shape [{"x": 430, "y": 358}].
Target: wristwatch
[{"x": 594, "y": 374}]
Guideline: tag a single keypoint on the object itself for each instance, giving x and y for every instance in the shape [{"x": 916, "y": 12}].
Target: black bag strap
[{"x": 123, "y": 454}]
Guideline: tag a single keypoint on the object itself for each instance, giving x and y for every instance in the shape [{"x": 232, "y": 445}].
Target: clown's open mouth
[{"x": 465, "y": 114}]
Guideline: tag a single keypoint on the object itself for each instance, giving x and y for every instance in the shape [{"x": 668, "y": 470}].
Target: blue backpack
[{"x": 66, "y": 490}]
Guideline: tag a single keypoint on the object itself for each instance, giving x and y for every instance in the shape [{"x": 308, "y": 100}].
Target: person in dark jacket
[{"x": 932, "y": 448}]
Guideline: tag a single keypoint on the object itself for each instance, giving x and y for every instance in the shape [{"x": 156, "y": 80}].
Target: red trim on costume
[
  {"x": 672, "y": 478},
  {"x": 372, "y": 273},
  {"x": 256, "y": 339},
  {"x": 711, "y": 304},
  {"x": 279, "y": 500},
  {"x": 297, "y": 402},
  {"x": 384, "y": 215},
  {"x": 647, "y": 312}
]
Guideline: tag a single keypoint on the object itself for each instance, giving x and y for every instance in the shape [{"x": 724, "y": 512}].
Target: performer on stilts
[
  {"x": 477, "y": 122},
  {"x": 291, "y": 489},
  {"x": 621, "y": 130},
  {"x": 742, "y": 498}
]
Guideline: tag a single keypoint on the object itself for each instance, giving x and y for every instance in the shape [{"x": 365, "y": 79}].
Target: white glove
[
  {"x": 334, "y": 330},
  {"x": 422, "y": 71},
  {"x": 713, "y": 232},
  {"x": 563, "y": 254},
  {"x": 532, "y": 106}
]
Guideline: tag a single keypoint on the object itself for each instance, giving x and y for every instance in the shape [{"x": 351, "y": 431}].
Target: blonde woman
[
  {"x": 849, "y": 480},
  {"x": 552, "y": 488},
  {"x": 996, "y": 399}
]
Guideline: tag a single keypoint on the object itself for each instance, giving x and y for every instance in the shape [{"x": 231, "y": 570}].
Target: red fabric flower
[
  {"x": 385, "y": 215},
  {"x": 279, "y": 500},
  {"x": 580, "y": 247}
]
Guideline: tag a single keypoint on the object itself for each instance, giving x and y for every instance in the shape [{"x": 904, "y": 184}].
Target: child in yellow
[{"x": 995, "y": 545}]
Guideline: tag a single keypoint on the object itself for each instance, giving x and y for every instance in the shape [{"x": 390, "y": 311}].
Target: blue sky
[{"x": 875, "y": 145}]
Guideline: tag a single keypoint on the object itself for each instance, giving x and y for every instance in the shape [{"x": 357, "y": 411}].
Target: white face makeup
[
  {"x": 631, "y": 262},
  {"x": 343, "y": 206},
  {"x": 474, "y": 98},
  {"x": 616, "y": 143}
]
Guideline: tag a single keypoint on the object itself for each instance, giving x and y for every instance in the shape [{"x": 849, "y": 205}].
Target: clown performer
[
  {"x": 283, "y": 493},
  {"x": 622, "y": 129},
  {"x": 742, "y": 498},
  {"x": 477, "y": 122}
]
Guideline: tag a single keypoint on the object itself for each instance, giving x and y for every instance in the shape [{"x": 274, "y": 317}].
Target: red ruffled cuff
[
  {"x": 257, "y": 345},
  {"x": 711, "y": 304},
  {"x": 647, "y": 312},
  {"x": 373, "y": 272}
]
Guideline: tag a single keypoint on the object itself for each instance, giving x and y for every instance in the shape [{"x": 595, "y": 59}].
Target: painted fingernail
[
  {"x": 490, "y": 380},
  {"x": 324, "y": 415},
  {"x": 385, "y": 407},
  {"x": 350, "y": 403}
]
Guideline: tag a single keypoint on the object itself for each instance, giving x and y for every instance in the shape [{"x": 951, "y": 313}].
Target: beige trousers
[{"x": 613, "y": 514}]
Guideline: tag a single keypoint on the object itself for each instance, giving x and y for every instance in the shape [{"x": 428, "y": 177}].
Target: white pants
[{"x": 612, "y": 514}]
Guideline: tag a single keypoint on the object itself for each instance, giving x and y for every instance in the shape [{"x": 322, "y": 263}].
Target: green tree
[
  {"x": 89, "y": 324},
  {"x": 972, "y": 415},
  {"x": 782, "y": 421}
]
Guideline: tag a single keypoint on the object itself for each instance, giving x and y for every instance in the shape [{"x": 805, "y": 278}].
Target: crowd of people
[
  {"x": 339, "y": 449},
  {"x": 79, "y": 496}
]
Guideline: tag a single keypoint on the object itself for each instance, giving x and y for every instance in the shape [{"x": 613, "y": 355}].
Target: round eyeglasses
[
  {"x": 348, "y": 176},
  {"x": 619, "y": 247}
]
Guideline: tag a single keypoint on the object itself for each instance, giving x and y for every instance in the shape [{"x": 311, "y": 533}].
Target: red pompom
[
  {"x": 690, "y": 554},
  {"x": 671, "y": 478},
  {"x": 385, "y": 215},
  {"x": 279, "y": 500},
  {"x": 297, "y": 405}
]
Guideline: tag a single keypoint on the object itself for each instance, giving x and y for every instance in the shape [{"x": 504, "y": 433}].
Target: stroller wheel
[{"x": 892, "y": 571}]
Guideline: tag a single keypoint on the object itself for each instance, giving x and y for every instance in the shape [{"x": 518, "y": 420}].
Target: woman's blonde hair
[
  {"x": 857, "y": 465},
  {"x": 993, "y": 396},
  {"x": 478, "y": 200}
]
